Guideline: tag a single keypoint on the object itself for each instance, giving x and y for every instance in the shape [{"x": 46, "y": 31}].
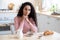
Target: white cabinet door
[
  {"x": 52, "y": 24},
  {"x": 48, "y": 23},
  {"x": 42, "y": 22}
]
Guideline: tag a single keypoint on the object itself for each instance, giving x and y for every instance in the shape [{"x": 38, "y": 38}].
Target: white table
[{"x": 55, "y": 36}]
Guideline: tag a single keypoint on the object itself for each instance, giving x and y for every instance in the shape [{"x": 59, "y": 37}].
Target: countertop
[
  {"x": 49, "y": 14},
  {"x": 55, "y": 36}
]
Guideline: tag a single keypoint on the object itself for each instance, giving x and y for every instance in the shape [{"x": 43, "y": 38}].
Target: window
[{"x": 50, "y": 5}]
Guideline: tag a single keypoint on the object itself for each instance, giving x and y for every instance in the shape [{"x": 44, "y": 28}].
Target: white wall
[
  {"x": 4, "y": 3},
  {"x": 0, "y": 4}
]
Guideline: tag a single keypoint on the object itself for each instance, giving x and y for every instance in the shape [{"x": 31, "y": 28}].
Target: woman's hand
[
  {"x": 32, "y": 26},
  {"x": 26, "y": 18},
  {"x": 23, "y": 17}
]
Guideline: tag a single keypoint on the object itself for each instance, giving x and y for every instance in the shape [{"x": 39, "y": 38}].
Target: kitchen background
[{"x": 48, "y": 14}]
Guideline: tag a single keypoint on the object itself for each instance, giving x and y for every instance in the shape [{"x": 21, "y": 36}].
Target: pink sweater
[{"x": 26, "y": 26}]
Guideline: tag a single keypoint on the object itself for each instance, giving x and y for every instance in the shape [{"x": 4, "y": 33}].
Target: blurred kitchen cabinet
[
  {"x": 46, "y": 22},
  {"x": 7, "y": 17}
]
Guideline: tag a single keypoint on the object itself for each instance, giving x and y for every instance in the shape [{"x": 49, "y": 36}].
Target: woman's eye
[{"x": 25, "y": 9}]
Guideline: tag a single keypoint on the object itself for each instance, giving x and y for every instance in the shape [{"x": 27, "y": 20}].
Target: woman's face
[{"x": 26, "y": 10}]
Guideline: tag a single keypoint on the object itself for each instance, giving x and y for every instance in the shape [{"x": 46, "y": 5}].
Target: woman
[{"x": 26, "y": 18}]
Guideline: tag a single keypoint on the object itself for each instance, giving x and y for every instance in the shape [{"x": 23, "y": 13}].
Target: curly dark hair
[{"x": 32, "y": 13}]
